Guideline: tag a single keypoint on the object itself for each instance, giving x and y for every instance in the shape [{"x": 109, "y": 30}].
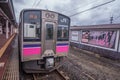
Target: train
[
  {"x": 43, "y": 40},
  {"x": 103, "y": 39}
]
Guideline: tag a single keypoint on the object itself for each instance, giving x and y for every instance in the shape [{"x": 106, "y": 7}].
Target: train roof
[
  {"x": 45, "y": 10},
  {"x": 102, "y": 26}
]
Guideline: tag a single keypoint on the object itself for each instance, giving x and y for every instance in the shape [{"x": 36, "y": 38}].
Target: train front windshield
[
  {"x": 31, "y": 23},
  {"x": 63, "y": 28},
  {"x": 62, "y": 33}
]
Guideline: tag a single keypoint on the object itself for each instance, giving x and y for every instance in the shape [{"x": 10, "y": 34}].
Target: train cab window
[
  {"x": 62, "y": 34},
  {"x": 32, "y": 29},
  {"x": 49, "y": 31}
]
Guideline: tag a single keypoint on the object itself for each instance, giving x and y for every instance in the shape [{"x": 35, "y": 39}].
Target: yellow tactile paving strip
[
  {"x": 2, "y": 50},
  {"x": 12, "y": 69}
]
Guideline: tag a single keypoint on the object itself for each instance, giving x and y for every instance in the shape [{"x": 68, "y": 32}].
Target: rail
[
  {"x": 55, "y": 75},
  {"x": 61, "y": 73}
]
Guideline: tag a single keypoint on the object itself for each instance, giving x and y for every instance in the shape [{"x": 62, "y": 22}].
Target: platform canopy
[{"x": 8, "y": 9}]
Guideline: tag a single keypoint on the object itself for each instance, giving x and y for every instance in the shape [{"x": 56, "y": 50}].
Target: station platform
[
  {"x": 12, "y": 68},
  {"x": 9, "y": 63}
]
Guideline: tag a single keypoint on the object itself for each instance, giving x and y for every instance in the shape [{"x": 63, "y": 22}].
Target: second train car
[{"x": 43, "y": 40}]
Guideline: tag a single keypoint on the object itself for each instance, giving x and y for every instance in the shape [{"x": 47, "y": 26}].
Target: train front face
[{"x": 44, "y": 40}]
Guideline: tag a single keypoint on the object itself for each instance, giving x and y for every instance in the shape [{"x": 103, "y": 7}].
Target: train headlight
[{"x": 49, "y": 63}]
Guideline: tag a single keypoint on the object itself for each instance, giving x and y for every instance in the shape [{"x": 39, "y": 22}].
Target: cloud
[
  {"x": 19, "y": 5},
  {"x": 100, "y": 15}
]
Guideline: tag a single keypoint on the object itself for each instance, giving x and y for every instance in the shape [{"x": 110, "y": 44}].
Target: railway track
[
  {"x": 62, "y": 74},
  {"x": 83, "y": 73},
  {"x": 55, "y": 75}
]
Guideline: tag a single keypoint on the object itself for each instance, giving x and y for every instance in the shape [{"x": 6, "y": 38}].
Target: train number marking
[{"x": 49, "y": 15}]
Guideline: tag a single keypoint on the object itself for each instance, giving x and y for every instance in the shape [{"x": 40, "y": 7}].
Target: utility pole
[{"x": 111, "y": 20}]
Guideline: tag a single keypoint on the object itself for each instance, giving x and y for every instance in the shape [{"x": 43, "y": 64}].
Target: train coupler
[{"x": 49, "y": 62}]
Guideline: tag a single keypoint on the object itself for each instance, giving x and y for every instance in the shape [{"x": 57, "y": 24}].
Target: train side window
[
  {"x": 62, "y": 34},
  {"x": 49, "y": 31}
]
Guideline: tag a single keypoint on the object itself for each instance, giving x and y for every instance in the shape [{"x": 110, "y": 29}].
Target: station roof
[
  {"x": 7, "y": 7},
  {"x": 101, "y": 26}
]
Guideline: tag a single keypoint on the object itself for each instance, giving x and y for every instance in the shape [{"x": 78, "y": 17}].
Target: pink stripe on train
[
  {"x": 35, "y": 51},
  {"x": 31, "y": 51},
  {"x": 60, "y": 49}
]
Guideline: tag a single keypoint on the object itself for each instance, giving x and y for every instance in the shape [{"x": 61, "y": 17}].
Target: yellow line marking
[{"x": 2, "y": 50}]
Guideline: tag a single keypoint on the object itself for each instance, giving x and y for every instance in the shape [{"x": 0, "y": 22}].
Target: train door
[{"x": 49, "y": 36}]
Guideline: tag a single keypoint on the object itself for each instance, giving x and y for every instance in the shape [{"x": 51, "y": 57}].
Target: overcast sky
[{"x": 100, "y": 15}]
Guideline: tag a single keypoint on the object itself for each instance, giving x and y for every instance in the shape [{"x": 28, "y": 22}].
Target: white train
[{"x": 43, "y": 40}]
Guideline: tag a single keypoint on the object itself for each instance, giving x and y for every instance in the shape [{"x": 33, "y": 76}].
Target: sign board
[
  {"x": 100, "y": 38},
  {"x": 74, "y": 36}
]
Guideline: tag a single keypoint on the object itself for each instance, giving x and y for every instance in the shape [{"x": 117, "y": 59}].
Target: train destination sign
[{"x": 62, "y": 20}]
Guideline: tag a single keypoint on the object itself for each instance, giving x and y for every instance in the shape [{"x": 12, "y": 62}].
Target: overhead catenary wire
[
  {"x": 34, "y": 3},
  {"x": 79, "y": 7},
  {"x": 91, "y": 8},
  {"x": 38, "y": 3},
  {"x": 113, "y": 18},
  {"x": 116, "y": 18}
]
